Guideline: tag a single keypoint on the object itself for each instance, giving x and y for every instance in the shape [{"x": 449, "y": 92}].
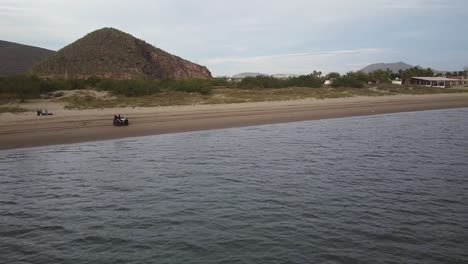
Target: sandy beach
[{"x": 73, "y": 126}]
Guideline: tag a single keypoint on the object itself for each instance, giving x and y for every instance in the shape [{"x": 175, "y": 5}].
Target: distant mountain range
[
  {"x": 248, "y": 74},
  {"x": 255, "y": 74},
  {"x": 111, "y": 53},
  {"x": 17, "y": 58},
  {"x": 394, "y": 67},
  {"x": 284, "y": 75}
]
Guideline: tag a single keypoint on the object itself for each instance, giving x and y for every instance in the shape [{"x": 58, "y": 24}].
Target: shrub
[
  {"x": 24, "y": 87},
  {"x": 351, "y": 79},
  {"x": 59, "y": 94},
  {"x": 305, "y": 81},
  {"x": 133, "y": 88},
  {"x": 149, "y": 87},
  {"x": 219, "y": 82},
  {"x": 32, "y": 87},
  {"x": 272, "y": 82}
]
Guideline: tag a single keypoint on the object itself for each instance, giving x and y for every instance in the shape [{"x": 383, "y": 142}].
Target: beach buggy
[{"x": 120, "y": 120}]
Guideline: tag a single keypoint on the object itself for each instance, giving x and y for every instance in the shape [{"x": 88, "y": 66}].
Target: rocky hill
[
  {"x": 18, "y": 58},
  {"x": 394, "y": 67},
  {"x": 111, "y": 53}
]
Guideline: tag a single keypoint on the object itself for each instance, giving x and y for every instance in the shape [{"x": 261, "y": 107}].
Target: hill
[
  {"x": 18, "y": 58},
  {"x": 394, "y": 67},
  {"x": 111, "y": 53},
  {"x": 284, "y": 75}
]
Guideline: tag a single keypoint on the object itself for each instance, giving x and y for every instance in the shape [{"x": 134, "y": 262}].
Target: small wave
[
  {"x": 101, "y": 240},
  {"x": 27, "y": 231},
  {"x": 141, "y": 247},
  {"x": 8, "y": 203}
]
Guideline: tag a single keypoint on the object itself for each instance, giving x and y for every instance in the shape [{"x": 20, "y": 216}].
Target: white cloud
[
  {"x": 237, "y": 32},
  {"x": 421, "y": 4}
]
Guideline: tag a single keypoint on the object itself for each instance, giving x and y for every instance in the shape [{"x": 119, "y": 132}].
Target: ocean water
[{"x": 377, "y": 189}]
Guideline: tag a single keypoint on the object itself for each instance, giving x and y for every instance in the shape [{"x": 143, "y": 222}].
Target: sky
[{"x": 229, "y": 37}]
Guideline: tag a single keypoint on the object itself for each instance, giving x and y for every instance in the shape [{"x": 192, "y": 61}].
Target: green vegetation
[
  {"x": 351, "y": 79},
  {"x": 415, "y": 71},
  {"x": 310, "y": 81},
  {"x": 30, "y": 87},
  {"x": 235, "y": 95},
  {"x": 455, "y": 73},
  {"x": 85, "y": 100},
  {"x": 132, "y": 88},
  {"x": 145, "y": 92}
]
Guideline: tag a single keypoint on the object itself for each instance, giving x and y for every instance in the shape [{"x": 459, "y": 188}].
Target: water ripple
[{"x": 378, "y": 189}]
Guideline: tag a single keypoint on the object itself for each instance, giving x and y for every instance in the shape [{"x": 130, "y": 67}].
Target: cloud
[
  {"x": 244, "y": 32},
  {"x": 290, "y": 56},
  {"x": 12, "y": 8},
  {"x": 421, "y": 4}
]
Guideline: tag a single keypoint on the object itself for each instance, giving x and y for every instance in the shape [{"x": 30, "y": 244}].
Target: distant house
[
  {"x": 397, "y": 81},
  {"x": 440, "y": 82},
  {"x": 461, "y": 80}
]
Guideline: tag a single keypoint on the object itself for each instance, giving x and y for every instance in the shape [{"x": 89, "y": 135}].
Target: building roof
[
  {"x": 435, "y": 79},
  {"x": 461, "y": 78}
]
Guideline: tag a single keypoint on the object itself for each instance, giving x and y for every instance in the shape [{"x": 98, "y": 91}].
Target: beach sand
[{"x": 73, "y": 126}]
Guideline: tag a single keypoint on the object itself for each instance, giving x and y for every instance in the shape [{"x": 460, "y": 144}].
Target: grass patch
[
  {"x": 223, "y": 95},
  {"x": 162, "y": 99},
  {"x": 218, "y": 96},
  {"x": 283, "y": 94}
]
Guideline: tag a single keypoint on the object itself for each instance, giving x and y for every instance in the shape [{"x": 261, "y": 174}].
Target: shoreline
[{"x": 75, "y": 126}]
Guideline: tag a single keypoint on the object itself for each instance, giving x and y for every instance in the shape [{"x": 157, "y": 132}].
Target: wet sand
[{"x": 68, "y": 126}]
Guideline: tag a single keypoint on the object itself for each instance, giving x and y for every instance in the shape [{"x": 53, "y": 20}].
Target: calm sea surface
[{"x": 377, "y": 189}]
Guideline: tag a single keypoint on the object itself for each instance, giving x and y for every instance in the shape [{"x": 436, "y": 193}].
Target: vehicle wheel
[{"x": 126, "y": 122}]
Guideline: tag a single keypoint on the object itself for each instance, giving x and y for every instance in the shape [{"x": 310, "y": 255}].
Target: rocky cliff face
[{"x": 110, "y": 53}]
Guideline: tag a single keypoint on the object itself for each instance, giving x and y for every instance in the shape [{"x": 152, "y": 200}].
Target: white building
[
  {"x": 440, "y": 82},
  {"x": 397, "y": 81}
]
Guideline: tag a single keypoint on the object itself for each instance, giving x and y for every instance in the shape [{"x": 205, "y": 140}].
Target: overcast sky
[{"x": 294, "y": 36}]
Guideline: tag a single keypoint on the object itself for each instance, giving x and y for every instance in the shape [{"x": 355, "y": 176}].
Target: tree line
[{"x": 26, "y": 86}]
